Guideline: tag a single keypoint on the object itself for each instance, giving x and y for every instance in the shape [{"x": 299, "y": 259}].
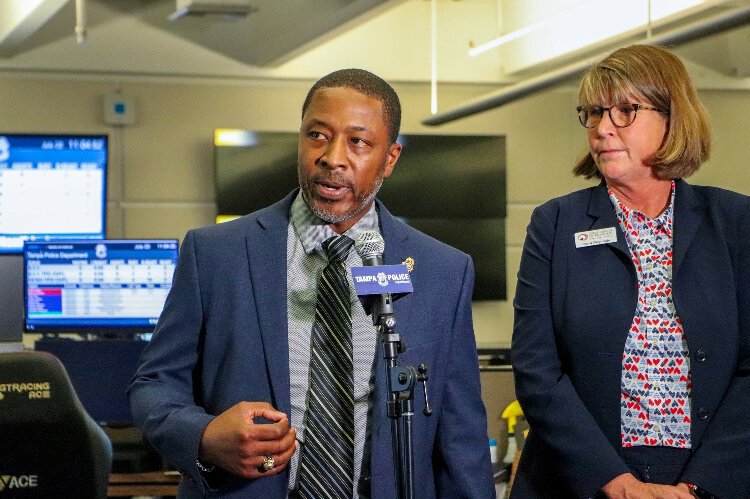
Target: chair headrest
[
  {"x": 34, "y": 387},
  {"x": 49, "y": 446}
]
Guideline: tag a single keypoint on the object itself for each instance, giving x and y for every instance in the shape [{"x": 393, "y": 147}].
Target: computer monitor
[
  {"x": 101, "y": 287},
  {"x": 51, "y": 187},
  {"x": 100, "y": 372}
]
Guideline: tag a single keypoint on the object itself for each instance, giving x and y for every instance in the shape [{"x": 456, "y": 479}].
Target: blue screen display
[
  {"x": 97, "y": 287},
  {"x": 52, "y": 187}
]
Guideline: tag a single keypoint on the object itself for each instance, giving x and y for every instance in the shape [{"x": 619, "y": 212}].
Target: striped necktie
[{"x": 327, "y": 461}]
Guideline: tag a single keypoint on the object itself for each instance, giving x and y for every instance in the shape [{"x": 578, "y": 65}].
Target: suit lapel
[
  {"x": 393, "y": 235},
  {"x": 267, "y": 256},
  {"x": 396, "y": 251},
  {"x": 686, "y": 213},
  {"x": 603, "y": 214},
  {"x": 687, "y": 218}
]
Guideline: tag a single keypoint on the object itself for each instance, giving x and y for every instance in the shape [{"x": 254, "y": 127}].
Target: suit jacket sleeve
[
  {"x": 162, "y": 397},
  {"x": 559, "y": 421},
  {"x": 721, "y": 460}
]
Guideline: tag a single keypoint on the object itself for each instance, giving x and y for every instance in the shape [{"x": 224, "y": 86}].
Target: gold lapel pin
[{"x": 409, "y": 262}]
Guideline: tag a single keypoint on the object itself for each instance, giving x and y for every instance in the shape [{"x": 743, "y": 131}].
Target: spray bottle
[{"x": 511, "y": 415}]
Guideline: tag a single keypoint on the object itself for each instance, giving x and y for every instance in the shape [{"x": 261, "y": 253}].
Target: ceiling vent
[{"x": 224, "y": 8}]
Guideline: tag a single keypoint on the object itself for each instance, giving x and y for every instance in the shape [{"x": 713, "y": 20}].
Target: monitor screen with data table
[
  {"x": 52, "y": 187},
  {"x": 103, "y": 287}
]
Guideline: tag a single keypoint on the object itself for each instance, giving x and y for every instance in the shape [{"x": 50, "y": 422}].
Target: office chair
[{"x": 49, "y": 446}]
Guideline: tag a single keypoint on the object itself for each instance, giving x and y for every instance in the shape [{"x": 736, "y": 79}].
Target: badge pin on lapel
[{"x": 409, "y": 262}]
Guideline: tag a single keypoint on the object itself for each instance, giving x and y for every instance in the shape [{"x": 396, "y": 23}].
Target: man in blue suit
[{"x": 221, "y": 390}]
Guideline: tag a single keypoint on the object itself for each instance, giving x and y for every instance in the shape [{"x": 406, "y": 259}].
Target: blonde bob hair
[{"x": 657, "y": 76}]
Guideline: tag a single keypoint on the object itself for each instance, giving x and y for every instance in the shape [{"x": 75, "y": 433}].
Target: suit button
[
  {"x": 702, "y": 413},
  {"x": 365, "y": 486},
  {"x": 700, "y": 356}
]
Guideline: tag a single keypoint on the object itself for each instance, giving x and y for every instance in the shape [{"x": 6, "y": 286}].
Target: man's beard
[{"x": 328, "y": 215}]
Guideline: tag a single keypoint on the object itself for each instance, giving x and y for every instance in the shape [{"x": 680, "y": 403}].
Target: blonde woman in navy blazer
[{"x": 583, "y": 288}]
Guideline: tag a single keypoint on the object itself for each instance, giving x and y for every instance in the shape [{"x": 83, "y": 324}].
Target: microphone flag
[{"x": 380, "y": 279}]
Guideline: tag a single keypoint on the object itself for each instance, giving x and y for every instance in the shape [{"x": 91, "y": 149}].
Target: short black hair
[{"x": 368, "y": 84}]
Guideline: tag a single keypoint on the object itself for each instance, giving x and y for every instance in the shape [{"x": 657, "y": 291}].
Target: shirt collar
[
  {"x": 664, "y": 219},
  {"x": 312, "y": 231}
]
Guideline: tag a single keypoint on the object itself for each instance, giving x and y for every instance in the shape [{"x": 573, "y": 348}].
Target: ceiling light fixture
[
  {"x": 698, "y": 29},
  {"x": 508, "y": 37},
  {"x": 233, "y": 9},
  {"x": 81, "y": 30},
  {"x": 433, "y": 58}
]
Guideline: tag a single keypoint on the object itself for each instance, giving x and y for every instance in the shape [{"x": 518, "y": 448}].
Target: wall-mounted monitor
[
  {"x": 51, "y": 187},
  {"x": 452, "y": 187},
  {"x": 102, "y": 287}
]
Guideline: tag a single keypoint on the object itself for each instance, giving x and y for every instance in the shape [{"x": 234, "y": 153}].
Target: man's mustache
[{"x": 333, "y": 178}]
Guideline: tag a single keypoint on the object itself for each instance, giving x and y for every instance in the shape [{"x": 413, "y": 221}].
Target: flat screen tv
[
  {"x": 452, "y": 187},
  {"x": 51, "y": 187},
  {"x": 99, "y": 288}
]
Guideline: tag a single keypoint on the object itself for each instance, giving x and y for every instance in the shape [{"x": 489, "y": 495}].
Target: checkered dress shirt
[{"x": 305, "y": 263}]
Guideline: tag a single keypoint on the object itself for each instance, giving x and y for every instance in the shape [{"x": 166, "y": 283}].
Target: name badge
[{"x": 595, "y": 237}]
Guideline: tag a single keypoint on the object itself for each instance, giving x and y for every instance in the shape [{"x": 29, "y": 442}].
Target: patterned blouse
[{"x": 655, "y": 384}]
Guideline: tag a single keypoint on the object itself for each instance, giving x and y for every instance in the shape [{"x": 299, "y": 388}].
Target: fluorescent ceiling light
[
  {"x": 225, "y": 8},
  {"x": 561, "y": 26},
  {"x": 500, "y": 40}
]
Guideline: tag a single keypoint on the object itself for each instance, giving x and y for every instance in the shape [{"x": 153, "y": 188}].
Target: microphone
[{"x": 370, "y": 246}]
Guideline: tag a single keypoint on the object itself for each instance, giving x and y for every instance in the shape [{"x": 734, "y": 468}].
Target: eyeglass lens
[{"x": 622, "y": 115}]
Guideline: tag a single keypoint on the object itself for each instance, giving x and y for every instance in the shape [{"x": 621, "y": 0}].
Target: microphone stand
[{"x": 400, "y": 382}]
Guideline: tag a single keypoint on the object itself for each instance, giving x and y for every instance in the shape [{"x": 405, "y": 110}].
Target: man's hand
[
  {"x": 234, "y": 442},
  {"x": 626, "y": 486}
]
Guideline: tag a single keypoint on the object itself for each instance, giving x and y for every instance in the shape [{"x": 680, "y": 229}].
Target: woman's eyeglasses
[{"x": 621, "y": 115}]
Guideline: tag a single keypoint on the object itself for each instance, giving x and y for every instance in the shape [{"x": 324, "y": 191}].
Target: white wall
[{"x": 161, "y": 169}]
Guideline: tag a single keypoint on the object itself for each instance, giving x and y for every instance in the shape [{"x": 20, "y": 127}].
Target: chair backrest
[{"x": 49, "y": 445}]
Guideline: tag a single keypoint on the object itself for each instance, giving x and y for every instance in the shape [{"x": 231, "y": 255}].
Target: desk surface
[{"x": 155, "y": 483}]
